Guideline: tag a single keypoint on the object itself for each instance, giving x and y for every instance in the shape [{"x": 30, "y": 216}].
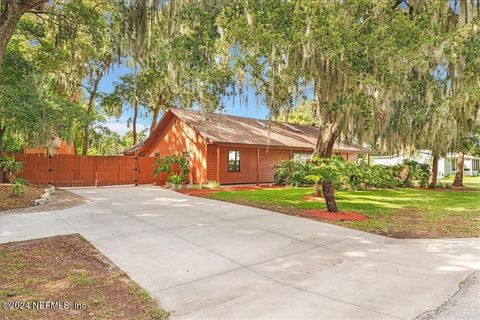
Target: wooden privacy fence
[{"x": 82, "y": 171}]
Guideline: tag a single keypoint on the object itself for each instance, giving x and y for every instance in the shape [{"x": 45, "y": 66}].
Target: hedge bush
[
  {"x": 292, "y": 173},
  {"x": 353, "y": 175}
]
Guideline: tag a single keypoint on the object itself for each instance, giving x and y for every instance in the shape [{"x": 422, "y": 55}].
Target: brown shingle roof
[
  {"x": 131, "y": 150},
  {"x": 219, "y": 128}
]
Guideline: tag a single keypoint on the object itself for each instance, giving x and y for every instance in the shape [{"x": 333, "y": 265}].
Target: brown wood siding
[
  {"x": 248, "y": 164},
  {"x": 212, "y": 162},
  {"x": 268, "y": 158},
  {"x": 179, "y": 137}
]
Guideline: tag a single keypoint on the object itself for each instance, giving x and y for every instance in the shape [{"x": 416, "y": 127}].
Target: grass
[
  {"x": 68, "y": 269},
  {"x": 402, "y": 213},
  {"x": 470, "y": 182}
]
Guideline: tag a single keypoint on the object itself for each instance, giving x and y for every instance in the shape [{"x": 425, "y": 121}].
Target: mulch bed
[
  {"x": 8, "y": 201},
  {"x": 335, "y": 216},
  {"x": 68, "y": 269},
  {"x": 59, "y": 200}
]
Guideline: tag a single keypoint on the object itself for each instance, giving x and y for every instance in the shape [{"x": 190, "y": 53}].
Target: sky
[{"x": 252, "y": 109}]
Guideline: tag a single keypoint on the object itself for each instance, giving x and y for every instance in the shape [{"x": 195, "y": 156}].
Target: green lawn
[
  {"x": 470, "y": 182},
  {"x": 404, "y": 213}
]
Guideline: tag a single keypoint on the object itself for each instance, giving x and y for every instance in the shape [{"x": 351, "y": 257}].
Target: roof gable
[
  {"x": 218, "y": 128},
  {"x": 226, "y": 129}
]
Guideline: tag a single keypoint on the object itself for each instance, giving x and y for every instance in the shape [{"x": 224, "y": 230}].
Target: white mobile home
[{"x": 447, "y": 165}]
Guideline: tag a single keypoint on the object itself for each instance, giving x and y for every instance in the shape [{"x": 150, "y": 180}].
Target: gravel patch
[{"x": 463, "y": 305}]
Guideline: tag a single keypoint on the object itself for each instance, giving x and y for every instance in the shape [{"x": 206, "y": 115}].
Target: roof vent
[{"x": 292, "y": 127}]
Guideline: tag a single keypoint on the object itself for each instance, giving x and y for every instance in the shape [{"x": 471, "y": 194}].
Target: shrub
[
  {"x": 334, "y": 169},
  {"x": 10, "y": 167},
  {"x": 176, "y": 167},
  {"x": 176, "y": 179},
  {"x": 355, "y": 176},
  {"x": 443, "y": 185},
  {"x": 21, "y": 181},
  {"x": 423, "y": 174},
  {"x": 17, "y": 189},
  {"x": 212, "y": 184},
  {"x": 417, "y": 171},
  {"x": 293, "y": 173},
  {"x": 374, "y": 176}
]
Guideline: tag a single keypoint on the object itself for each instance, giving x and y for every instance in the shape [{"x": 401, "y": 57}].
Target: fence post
[
  {"x": 137, "y": 168},
  {"x": 49, "y": 158},
  {"x": 96, "y": 171}
]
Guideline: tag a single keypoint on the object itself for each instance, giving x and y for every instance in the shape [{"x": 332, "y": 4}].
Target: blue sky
[{"x": 253, "y": 108}]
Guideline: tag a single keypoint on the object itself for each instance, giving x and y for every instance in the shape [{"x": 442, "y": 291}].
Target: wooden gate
[
  {"x": 145, "y": 170},
  {"x": 81, "y": 171}
]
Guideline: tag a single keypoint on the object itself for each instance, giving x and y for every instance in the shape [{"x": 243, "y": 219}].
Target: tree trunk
[
  {"x": 433, "y": 178},
  {"x": 329, "y": 194},
  {"x": 85, "y": 140},
  {"x": 134, "y": 124},
  {"x": 317, "y": 191},
  {"x": 2, "y": 130},
  {"x": 327, "y": 134},
  {"x": 91, "y": 100},
  {"x": 153, "y": 125},
  {"x": 13, "y": 11},
  {"x": 458, "y": 182}
]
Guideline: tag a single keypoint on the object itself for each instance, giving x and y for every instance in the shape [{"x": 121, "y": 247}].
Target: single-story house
[
  {"x": 447, "y": 165},
  {"x": 232, "y": 149}
]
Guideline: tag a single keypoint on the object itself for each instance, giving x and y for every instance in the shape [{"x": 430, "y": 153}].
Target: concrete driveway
[{"x": 203, "y": 259}]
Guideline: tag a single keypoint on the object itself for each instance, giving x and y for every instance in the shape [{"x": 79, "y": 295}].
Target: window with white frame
[
  {"x": 302, "y": 156},
  {"x": 475, "y": 164},
  {"x": 453, "y": 164},
  {"x": 234, "y": 161}
]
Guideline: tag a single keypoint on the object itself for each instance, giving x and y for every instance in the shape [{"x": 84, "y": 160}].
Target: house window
[
  {"x": 453, "y": 163},
  {"x": 302, "y": 156},
  {"x": 475, "y": 165},
  {"x": 234, "y": 161}
]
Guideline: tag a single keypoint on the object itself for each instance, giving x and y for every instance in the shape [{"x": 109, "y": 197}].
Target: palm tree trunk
[
  {"x": 433, "y": 178},
  {"x": 329, "y": 194},
  {"x": 458, "y": 181}
]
